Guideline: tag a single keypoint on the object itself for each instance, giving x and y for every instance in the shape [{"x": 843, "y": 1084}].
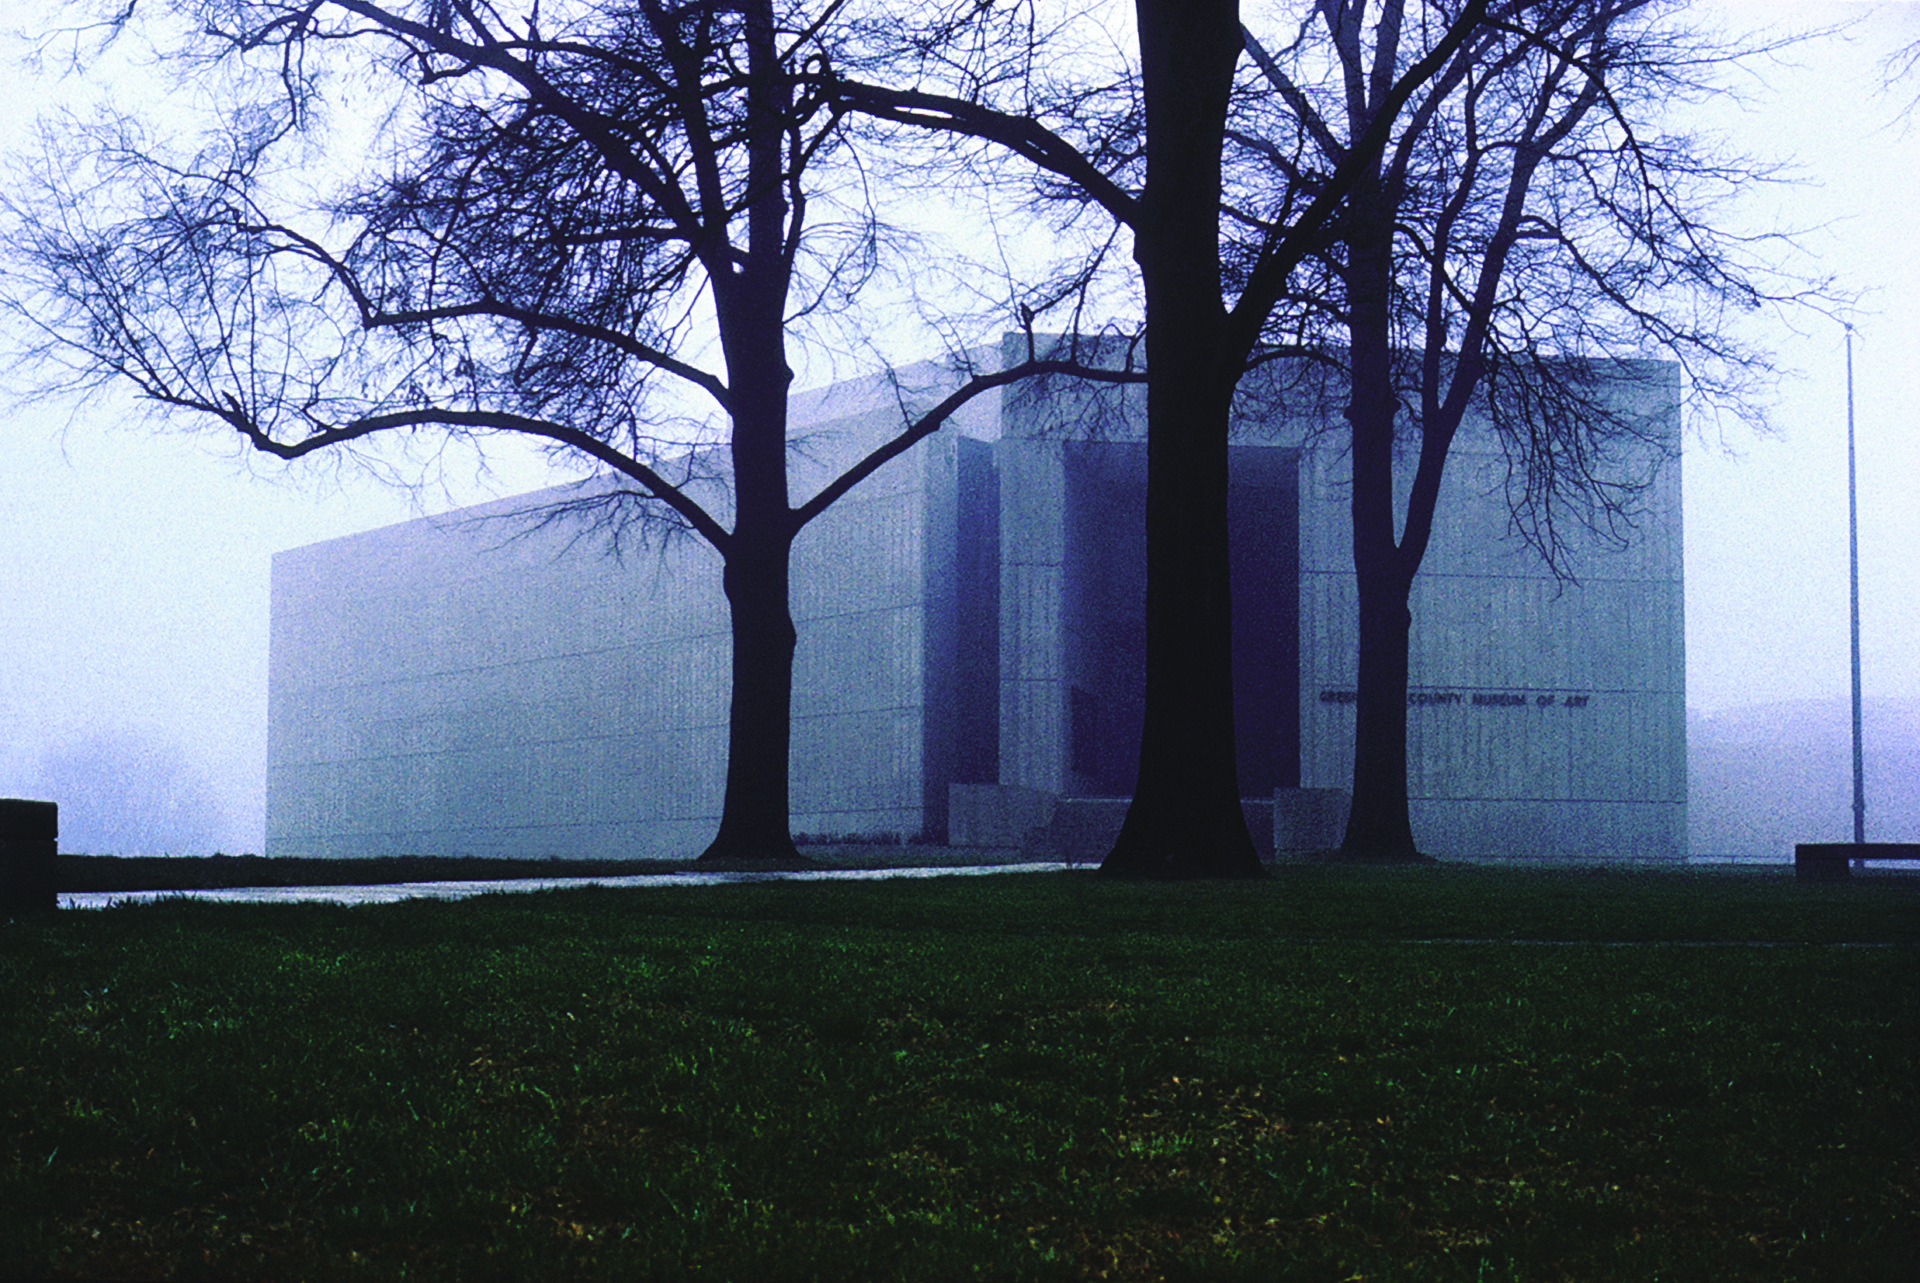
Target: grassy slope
[{"x": 1032, "y": 1076}]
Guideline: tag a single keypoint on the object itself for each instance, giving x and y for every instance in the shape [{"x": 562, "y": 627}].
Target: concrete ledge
[
  {"x": 1833, "y": 861},
  {"x": 1076, "y": 829},
  {"x": 997, "y": 814},
  {"x": 1084, "y": 829},
  {"x": 1259, "y": 812},
  {"x": 1308, "y": 820},
  {"x": 29, "y": 839}
]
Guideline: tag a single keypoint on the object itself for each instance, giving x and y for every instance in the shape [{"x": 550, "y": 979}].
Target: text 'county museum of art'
[{"x": 970, "y": 654}]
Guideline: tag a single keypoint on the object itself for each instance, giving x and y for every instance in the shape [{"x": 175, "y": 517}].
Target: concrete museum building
[{"x": 969, "y": 665}]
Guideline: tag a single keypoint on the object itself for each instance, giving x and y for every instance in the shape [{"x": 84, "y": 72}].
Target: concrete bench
[
  {"x": 1832, "y": 861},
  {"x": 29, "y": 837}
]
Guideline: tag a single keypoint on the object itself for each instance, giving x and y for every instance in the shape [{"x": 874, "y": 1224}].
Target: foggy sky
[{"x": 134, "y": 563}]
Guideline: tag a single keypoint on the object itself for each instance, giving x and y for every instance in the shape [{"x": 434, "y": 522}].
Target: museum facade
[{"x": 969, "y": 663}]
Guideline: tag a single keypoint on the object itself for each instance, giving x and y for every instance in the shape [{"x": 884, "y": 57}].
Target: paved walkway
[{"x": 388, "y": 893}]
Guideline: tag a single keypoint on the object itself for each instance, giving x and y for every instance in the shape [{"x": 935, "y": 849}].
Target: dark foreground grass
[{"x": 1024, "y": 1076}]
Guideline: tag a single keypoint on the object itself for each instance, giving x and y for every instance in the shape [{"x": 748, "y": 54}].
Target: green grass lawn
[{"x": 1334, "y": 1074}]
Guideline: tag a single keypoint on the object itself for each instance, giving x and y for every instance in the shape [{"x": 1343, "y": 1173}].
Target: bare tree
[
  {"x": 584, "y": 205},
  {"x": 1526, "y": 240},
  {"x": 1165, "y": 185}
]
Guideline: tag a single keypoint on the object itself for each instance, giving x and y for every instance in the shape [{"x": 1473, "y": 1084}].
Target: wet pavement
[{"x": 388, "y": 893}]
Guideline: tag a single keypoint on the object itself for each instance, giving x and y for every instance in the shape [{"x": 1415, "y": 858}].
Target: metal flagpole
[{"x": 1853, "y": 555}]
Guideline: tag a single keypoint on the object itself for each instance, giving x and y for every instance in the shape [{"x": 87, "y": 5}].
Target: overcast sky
[{"x": 134, "y": 565}]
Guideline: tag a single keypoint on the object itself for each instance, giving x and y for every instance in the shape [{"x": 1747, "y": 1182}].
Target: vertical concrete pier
[{"x": 29, "y": 838}]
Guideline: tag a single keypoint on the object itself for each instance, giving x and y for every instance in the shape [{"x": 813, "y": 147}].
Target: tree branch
[
  {"x": 1277, "y": 260},
  {"x": 673, "y": 496},
  {"x": 930, "y": 422},
  {"x": 1022, "y": 135}
]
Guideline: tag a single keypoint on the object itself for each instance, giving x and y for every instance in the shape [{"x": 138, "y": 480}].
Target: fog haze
[{"x": 134, "y": 563}]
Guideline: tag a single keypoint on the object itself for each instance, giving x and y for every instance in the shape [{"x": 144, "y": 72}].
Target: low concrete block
[
  {"x": 1080, "y": 829},
  {"x": 996, "y": 814},
  {"x": 29, "y": 840},
  {"x": 1259, "y": 813},
  {"x": 1084, "y": 828},
  {"x": 1309, "y": 820},
  {"x": 1833, "y": 861}
]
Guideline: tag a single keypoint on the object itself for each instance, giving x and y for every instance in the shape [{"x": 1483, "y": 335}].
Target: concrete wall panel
[
  {"x": 441, "y": 687},
  {"x": 1545, "y": 712}
]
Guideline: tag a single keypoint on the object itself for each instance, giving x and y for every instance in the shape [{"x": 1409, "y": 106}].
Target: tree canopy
[
  {"x": 1528, "y": 243},
  {"x": 572, "y": 218},
  {"x": 577, "y": 221}
]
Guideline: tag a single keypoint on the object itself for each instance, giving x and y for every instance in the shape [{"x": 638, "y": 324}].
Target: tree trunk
[
  {"x": 755, "y": 825},
  {"x": 1185, "y": 818},
  {"x": 754, "y": 818},
  {"x": 749, "y": 304},
  {"x": 1379, "y": 827}
]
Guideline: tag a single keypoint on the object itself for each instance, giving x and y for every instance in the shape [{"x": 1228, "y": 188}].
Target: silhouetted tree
[
  {"x": 1154, "y": 164},
  {"x": 578, "y": 203},
  {"x": 1526, "y": 240}
]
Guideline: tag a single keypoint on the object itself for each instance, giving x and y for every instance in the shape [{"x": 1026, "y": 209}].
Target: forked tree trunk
[
  {"x": 749, "y": 299},
  {"x": 1379, "y": 827},
  {"x": 1185, "y": 820}
]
